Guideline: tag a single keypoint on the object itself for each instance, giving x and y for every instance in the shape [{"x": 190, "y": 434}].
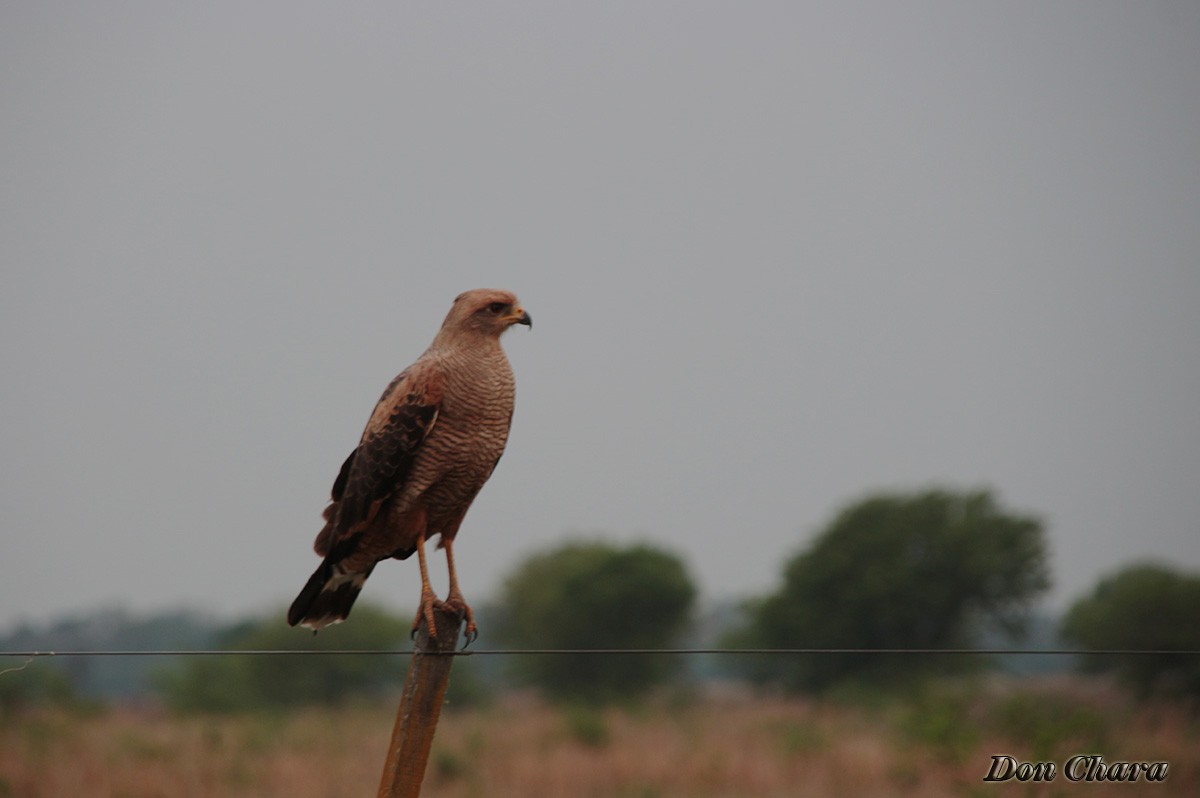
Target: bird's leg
[
  {"x": 428, "y": 598},
  {"x": 455, "y": 597}
]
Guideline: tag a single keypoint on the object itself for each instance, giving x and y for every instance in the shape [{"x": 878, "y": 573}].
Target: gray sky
[{"x": 778, "y": 256}]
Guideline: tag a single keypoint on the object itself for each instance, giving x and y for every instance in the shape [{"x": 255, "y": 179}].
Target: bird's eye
[{"x": 496, "y": 307}]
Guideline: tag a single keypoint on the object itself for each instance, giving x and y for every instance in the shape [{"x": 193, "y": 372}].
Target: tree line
[{"x": 926, "y": 569}]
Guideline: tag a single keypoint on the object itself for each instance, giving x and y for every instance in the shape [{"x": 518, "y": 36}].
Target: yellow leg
[
  {"x": 428, "y": 598},
  {"x": 455, "y": 597}
]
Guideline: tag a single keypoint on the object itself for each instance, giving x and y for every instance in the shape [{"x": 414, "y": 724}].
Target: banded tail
[{"x": 327, "y": 598}]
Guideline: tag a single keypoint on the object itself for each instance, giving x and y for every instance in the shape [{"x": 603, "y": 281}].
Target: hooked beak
[{"x": 519, "y": 316}]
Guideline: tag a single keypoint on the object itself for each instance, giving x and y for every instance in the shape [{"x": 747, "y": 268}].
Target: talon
[
  {"x": 458, "y": 604},
  {"x": 428, "y": 602},
  {"x": 472, "y": 632},
  {"x": 470, "y": 637}
]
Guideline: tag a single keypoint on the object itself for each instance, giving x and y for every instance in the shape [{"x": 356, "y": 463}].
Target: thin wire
[
  {"x": 22, "y": 667},
  {"x": 606, "y": 651}
]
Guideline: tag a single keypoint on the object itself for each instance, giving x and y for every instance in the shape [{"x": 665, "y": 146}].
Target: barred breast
[{"x": 469, "y": 438}]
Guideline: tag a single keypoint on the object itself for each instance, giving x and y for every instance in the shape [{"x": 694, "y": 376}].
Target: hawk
[{"x": 431, "y": 443}]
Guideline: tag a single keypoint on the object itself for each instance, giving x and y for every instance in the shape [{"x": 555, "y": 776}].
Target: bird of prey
[{"x": 431, "y": 443}]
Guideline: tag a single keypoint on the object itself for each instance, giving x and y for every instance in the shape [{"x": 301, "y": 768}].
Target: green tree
[
  {"x": 596, "y": 595},
  {"x": 255, "y": 682},
  {"x": 918, "y": 570},
  {"x": 1146, "y": 607}
]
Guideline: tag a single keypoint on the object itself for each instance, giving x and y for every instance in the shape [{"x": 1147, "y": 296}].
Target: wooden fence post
[{"x": 420, "y": 706}]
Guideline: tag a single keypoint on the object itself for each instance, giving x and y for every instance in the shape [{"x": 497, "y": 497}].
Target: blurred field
[{"x": 722, "y": 744}]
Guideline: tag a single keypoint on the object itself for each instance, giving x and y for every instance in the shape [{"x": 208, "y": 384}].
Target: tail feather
[{"x": 326, "y": 598}]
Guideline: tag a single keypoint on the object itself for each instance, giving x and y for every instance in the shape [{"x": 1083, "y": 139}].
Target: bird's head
[{"x": 485, "y": 311}]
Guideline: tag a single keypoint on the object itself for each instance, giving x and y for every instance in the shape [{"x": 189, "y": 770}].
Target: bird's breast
[{"x": 473, "y": 422}]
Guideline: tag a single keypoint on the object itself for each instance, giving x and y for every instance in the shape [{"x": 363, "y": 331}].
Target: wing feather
[{"x": 379, "y": 466}]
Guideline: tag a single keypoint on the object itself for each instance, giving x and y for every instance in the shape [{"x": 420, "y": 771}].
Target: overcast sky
[{"x": 778, "y": 256}]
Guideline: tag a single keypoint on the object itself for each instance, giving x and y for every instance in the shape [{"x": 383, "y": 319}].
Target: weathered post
[{"x": 420, "y": 706}]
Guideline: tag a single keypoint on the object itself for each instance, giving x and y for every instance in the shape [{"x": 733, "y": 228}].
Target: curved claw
[{"x": 470, "y": 637}]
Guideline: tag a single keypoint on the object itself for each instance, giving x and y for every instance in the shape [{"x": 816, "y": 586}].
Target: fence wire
[{"x": 508, "y": 652}]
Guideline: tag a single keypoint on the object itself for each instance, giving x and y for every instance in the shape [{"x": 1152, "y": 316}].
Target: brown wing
[{"x": 380, "y": 464}]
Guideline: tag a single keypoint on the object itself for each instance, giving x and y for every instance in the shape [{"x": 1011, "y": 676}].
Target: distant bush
[
  {"x": 919, "y": 570},
  {"x": 110, "y": 629},
  {"x": 255, "y": 682},
  {"x": 940, "y": 717},
  {"x": 1148, "y": 607},
  {"x": 1051, "y": 725},
  {"x": 587, "y": 725},
  {"x": 596, "y": 595},
  {"x": 35, "y": 684}
]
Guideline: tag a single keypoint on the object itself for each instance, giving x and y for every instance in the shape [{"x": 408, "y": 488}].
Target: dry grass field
[{"x": 732, "y": 744}]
